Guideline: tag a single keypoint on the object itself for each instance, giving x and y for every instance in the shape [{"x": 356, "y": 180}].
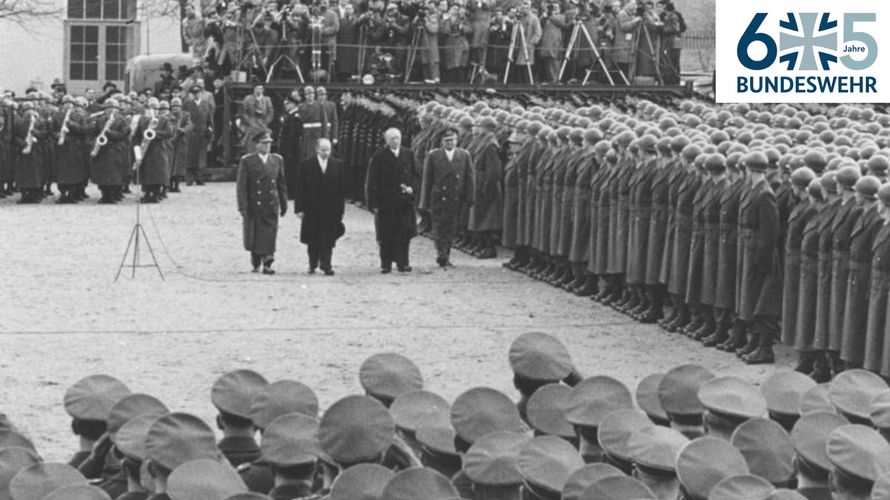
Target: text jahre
[{"x": 853, "y": 48}]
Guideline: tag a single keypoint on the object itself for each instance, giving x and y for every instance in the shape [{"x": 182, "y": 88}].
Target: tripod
[
  {"x": 642, "y": 33},
  {"x": 287, "y": 58},
  {"x": 412, "y": 53},
  {"x": 575, "y": 46},
  {"x": 518, "y": 32},
  {"x": 135, "y": 236}
]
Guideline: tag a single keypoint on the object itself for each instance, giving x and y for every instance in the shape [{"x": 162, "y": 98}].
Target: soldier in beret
[{"x": 262, "y": 197}]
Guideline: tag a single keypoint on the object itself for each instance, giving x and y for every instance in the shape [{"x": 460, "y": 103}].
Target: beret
[
  {"x": 594, "y": 398},
  {"x": 656, "y": 448},
  {"x": 579, "y": 480},
  {"x": 741, "y": 487},
  {"x": 204, "y": 479},
  {"x": 413, "y": 484},
  {"x": 38, "y": 480},
  {"x": 91, "y": 398},
  {"x": 280, "y": 398},
  {"x": 132, "y": 406},
  {"x": 389, "y": 375},
  {"x": 678, "y": 390},
  {"x": 356, "y": 428},
  {"x": 733, "y": 397},
  {"x": 12, "y": 460},
  {"x": 539, "y": 356},
  {"x": 548, "y": 461},
  {"x": 493, "y": 460},
  {"x": 810, "y": 437},
  {"x": 618, "y": 488},
  {"x": 233, "y": 392},
  {"x": 361, "y": 482},
  {"x": 879, "y": 410},
  {"x": 130, "y": 438},
  {"x": 78, "y": 492},
  {"x": 852, "y": 391},
  {"x": 647, "y": 397},
  {"x": 412, "y": 410},
  {"x": 705, "y": 462},
  {"x": 291, "y": 440},
  {"x": 615, "y": 431},
  {"x": 178, "y": 438},
  {"x": 546, "y": 410},
  {"x": 481, "y": 410},
  {"x": 859, "y": 451},
  {"x": 767, "y": 448},
  {"x": 784, "y": 390}
]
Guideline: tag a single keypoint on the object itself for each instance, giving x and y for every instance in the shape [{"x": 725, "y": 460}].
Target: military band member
[
  {"x": 109, "y": 160},
  {"x": 262, "y": 197},
  {"x": 30, "y": 134},
  {"x": 153, "y": 135}
]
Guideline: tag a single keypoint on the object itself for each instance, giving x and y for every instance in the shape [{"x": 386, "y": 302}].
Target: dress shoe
[
  {"x": 651, "y": 315},
  {"x": 706, "y": 330},
  {"x": 761, "y": 356},
  {"x": 805, "y": 363},
  {"x": 405, "y": 269},
  {"x": 268, "y": 270},
  {"x": 189, "y": 183},
  {"x": 174, "y": 189},
  {"x": 693, "y": 325},
  {"x": 821, "y": 374},
  {"x": 385, "y": 270},
  {"x": 311, "y": 270},
  {"x": 328, "y": 272},
  {"x": 721, "y": 333},
  {"x": 670, "y": 318},
  {"x": 442, "y": 262},
  {"x": 199, "y": 183},
  {"x": 735, "y": 340},
  {"x": 487, "y": 253},
  {"x": 255, "y": 270},
  {"x": 750, "y": 347}
]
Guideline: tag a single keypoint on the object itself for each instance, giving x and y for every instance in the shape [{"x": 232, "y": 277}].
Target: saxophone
[
  {"x": 64, "y": 132},
  {"x": 102, "y": 139},
  {"x": 30, "y": 139},
  {"x": 147, "y": 136}
]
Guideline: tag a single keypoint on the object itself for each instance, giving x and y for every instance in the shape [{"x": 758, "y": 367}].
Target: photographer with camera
[
  {"x": 456, "y": 52},
  {"x": 480, "y": 20},
  {"x": 527, "y": 29},
  {"x": 626, "y": 22},
  {"x": 552, "y": 44},
  {"x": 672, "y": 26},
  {"x": 348, "y": 42},
  {"x": 647, "y": 41},
  {"x": 499, "y": 31},
  {"x": 427, "y": 23},
  {"x": 395, "y": 32}
]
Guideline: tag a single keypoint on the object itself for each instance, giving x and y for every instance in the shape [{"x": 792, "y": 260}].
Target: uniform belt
[{"x": 312, "y": 125}]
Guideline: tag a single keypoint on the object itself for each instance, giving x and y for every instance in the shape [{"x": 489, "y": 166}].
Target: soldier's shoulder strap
[{"x": 276, "y": 155}]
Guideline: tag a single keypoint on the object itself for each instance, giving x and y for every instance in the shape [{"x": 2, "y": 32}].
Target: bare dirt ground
[{"x": 63, "y": 317}]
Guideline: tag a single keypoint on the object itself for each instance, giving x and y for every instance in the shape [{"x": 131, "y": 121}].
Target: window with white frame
[{"x": 100, "y": 36}]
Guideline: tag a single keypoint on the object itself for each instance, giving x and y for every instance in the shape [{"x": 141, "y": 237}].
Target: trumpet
[
  {"x": 63, "y": 133},
  {"x": 102, "y": 139},
  {"x": 30, "y": 139}
]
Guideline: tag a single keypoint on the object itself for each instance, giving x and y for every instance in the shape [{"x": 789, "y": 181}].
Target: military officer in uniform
[
  {"x": 447, "y": 187},
  {"x": 262, "y": 197}
]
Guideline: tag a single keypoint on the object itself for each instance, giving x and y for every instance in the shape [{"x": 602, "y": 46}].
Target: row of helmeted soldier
[{"x": 687, "y": 433}]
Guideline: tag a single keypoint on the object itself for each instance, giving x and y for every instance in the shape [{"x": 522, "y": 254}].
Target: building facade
[{"x": 87, "y": 45}]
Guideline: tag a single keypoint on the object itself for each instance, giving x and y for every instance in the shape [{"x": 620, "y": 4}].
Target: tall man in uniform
[
  {"x": 390, "y": 196},
  {"x": 320, "y": 202},
  {"x": 447, "y": 186},
  {"x": 262, "y": 196}
]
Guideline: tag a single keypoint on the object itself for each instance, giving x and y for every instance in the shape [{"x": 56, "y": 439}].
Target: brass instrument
[
  {"x": 63, "y": 133},
  {"x": 147, "y": 136},
  {"x": 102, "y": 139},
  {"x": 30, "y": 139}
]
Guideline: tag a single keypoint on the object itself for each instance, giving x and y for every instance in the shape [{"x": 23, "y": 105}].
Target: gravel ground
[{"x": 63, "y": 317}]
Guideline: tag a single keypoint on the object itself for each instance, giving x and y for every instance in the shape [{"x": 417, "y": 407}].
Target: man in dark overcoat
[
  {"x": 262, "y": 197},
  {"x": 319, "y": 202},
  {"x": 109, "y": 160},
  {"x": 201, "y": 111},
  {"x": 447, "y": 187},
  {"x": 759, "y": 273},
  {"x": 290, "y": 142},
  {"x": 390, "y": 196}
]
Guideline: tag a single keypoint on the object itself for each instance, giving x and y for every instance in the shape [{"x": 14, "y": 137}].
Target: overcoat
[
  {"x": 840, "y": 269},
  {"x": 486, "y": 213},
  {"x": 563, "y": 203},
  {"x": 759, "y": 274},
  {"x": 808, "y": 290},
  {"x": 72, "y": 164},
  {"x": 877, "y": 343},
  {"x": 728, "y": 248},
  {"x": 639, "y": 211},
  {"x": 695, "y": 266},
  {"x": 797, "y": 222},
  {"x": 582, "y": 210},
  {"x": 683, "y": 233},
  {"x": 262, "y": 197},
  {"x": 600, "y": 188},
  {"x": 394, "y": 221},
  {"x": 155, "y": 166},
  {"x": 823, "y": 290},
  {"x": 528, "y": 184},
  {"x": 202, "y": 130},
  {"x": 675, "y": 178},
  {"x": 510, "y": 226},
  {"x": 183, "y": 127},
  {"x": 855, "y": 324},
  {"x": 112, "y": 158},
  {"x": 658, "y": 223},
  {"x": 711, "y": 261},
  {"x": 447, "y": 187},
  {"x": 618, "y": 210},
  {"x": 321, "y": 196},
  {"x": 29, "y": 168}
]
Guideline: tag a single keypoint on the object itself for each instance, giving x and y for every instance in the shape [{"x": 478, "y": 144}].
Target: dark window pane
[
  {"x": 91, "y": 71},
  {"x": 91, "y": 53},
  {"x": 112, "y": 34},
  {"x": 76, "y": 34},
  {"x": 94, "y": 9},
  {"x": 76, "y": 52},
  {"x": 76, "y": 71},
  {"x": 75, "y": 9},
  {"x": 92, "y": 34},
  {"x": 111, "y": 53},
  {"x": 111, "y": 9},
  {"x": 114, "y": 71},
  {"x": 128, "y": 8}
]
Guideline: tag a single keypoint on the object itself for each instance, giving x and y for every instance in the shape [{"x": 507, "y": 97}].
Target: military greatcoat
[
  {"x": 262, "y": 197},
  {"x": 759, "y": 273}
]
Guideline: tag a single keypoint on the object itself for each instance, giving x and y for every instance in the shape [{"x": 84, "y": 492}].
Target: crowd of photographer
[{"x": 450, "y": 41}]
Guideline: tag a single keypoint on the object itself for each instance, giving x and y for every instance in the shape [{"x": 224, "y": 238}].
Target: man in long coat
[
  {"x": 447, "y": 187},
  {"x": 110, "y": 159},
  {"x": 71, "y": 156},
  {"x": 320, "y": 202},
  {"x": 262, "y": 197},
  {"x": 201, "y": 110},
  {"x": 877, "y": 344},
  {"x": 390, "y": 196},
  {"x": 154, "y": 167},
  {"x": 485, "y": 215},
  {"x": 290, "y": 142},
  {"x": 759, "y": 273}
]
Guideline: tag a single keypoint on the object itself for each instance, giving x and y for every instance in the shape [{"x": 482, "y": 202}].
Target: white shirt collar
[
  {"x": 264, "y": 157},
  {"x": 450, "y": 154},
  {"x": 395, "y": 152},
  {"x": 322, "y": 163}
]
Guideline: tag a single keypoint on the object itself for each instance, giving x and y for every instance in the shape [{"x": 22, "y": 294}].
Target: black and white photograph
[{"x": 444, "y": 250}]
